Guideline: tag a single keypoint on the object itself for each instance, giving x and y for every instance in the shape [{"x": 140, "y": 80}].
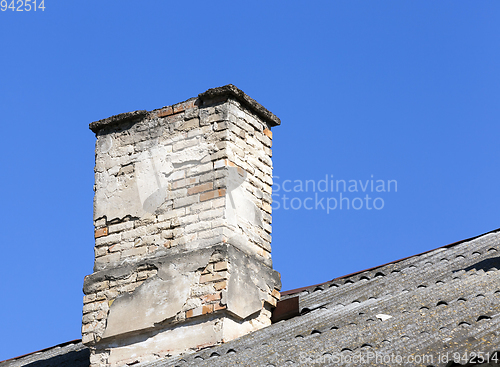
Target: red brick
[
  {"x": 180, "y": 107},
  {"x": 220, "y": 266},
  {"x": 167, "y": 111},
  {"x": 194, "y": 312},
  {"x": 200, "y": 188},
  {"x": 276, "y": 294},
  {"x": 219, "y": 306},
  {"x": 207, "y": 309},
  {"x": 101, "y": 232},
  {"x": 212, "y": 194},
  {"x": 220, "y": 285},
  {"x": 208, "y": 270},
  {"x": 210, "y": 278},
  {"x": 268, "y": 133},
  {"x": 211, "y": 297}
]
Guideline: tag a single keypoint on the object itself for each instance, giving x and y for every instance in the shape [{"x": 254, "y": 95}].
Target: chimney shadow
[
  {"x": 493, "y": 263},
  {"x": 80, "y": 358}
]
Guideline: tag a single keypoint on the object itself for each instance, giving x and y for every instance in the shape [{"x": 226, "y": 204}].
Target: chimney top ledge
[{"x": 229, "y": 91}]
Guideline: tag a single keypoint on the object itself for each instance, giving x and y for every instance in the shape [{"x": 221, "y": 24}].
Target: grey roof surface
[
  {"x": 443, "y": 301},
  {"x": 434, "y": 304},
  {"x": 70, "y": 354}
]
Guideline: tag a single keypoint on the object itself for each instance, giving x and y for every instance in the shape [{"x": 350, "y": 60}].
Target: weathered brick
[
  {"x": 191, "y": 112},
  {"x": 222, "y": 125},
  {"x": 272, "y": 301},
  {"x": 108, "y": 259},
  {"x": 167, "y": 111},
  {"x": 137, "y": 251},
  {"x": 108, "y": 240},
  {"x": 211, "y": 297},
  {"x": 210, "y": 234},
  {"x": 220, "y": 266},
  {"x": 98, "y": 286},
  {"x": 101, "y": 315},
  {"x": 177, "y": 175},
  {"x": 196, "y": 227},
  {"x": 206, "y": 278},
  {"x": 121, "y": 227},
  {"x": 132, "y": 234},
  {"x": 88, "y": 338},
  {"x": 111, "y": 293},
  {"x": 200, "y": 168},
  {"x": 207, "y": 309},
  {"x": 100, "y": 251},
  {"x": 211, "y": 214},
  {"x": 200, "y": 208},
  {"x": 188, "y": 219},
  {"x": 209, "y": 269},
  {"x": 276, "y": 294},
  {"x": 183, "y": 144},
  {"x": 101, "y": 232},
  {"x": 172, "y": 214},
  {"x": 212, "y": 194},
  {"x": 101, "y": 222},
  {"x": 88, "y": 298},
  {"x": 200, "y": 188},
  {"x": 87, "y": 328},
  {"x": 191, "y": 124},
  {"x": 167, "y": 234},
  {"x": 185, "y": 182},
  {"x": 194, "y": 312},
  {"x": 219, "y": 306},
  {"x": 178, "y": 108},
  {"x": 224, "y": 163},
  {"x": 89, "y": 317},
  {"x": 102, "y": 305},
  {"x": 89, "y": 307},
  {"x": 220, "y": 285},
  {"x": 121, "y": 246},
  {"x": 218, "y": 203},
  {"x": 180, "y": 202}
]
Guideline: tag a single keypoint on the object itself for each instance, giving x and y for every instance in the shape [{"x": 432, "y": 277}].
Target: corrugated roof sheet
[
  {"x": 70, "y": 354},
  {"x": 423, "y": 308}
]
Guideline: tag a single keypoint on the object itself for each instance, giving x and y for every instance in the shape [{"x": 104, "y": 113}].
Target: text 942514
[{"x": 22, "y": 5}]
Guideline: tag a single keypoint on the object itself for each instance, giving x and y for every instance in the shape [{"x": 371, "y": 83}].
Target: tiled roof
[
  {"x": 431, "y": 305},
  {"x": 443, "y": 301}
]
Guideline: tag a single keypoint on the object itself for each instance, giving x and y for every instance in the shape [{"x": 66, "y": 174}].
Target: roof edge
[
  {"x": 298, "y": 290},
  {"x": 76, "y": 341}
]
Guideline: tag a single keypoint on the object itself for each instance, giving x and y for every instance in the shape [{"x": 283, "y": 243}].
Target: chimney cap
[
  {"x": 232, "y": 91},
  {"x": 227, "y": 91}
]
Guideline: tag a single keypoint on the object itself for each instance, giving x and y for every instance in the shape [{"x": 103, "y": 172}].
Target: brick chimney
[{"x": 182, "y": 215}]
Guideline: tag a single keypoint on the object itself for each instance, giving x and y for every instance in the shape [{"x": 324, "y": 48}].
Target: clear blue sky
[{"x": 401, "y": 90}]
